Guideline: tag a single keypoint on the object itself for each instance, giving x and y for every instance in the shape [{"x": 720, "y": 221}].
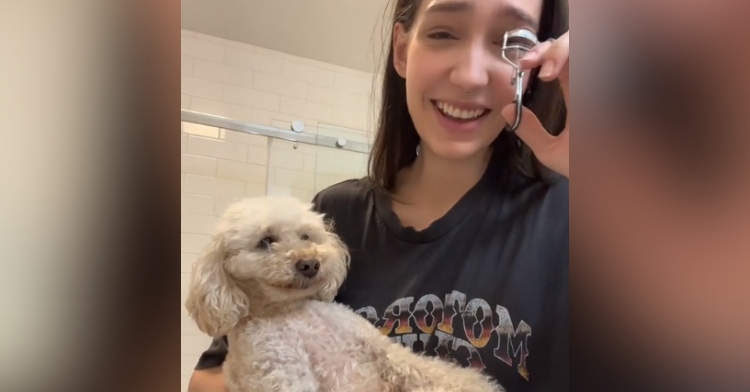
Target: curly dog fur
[{"x": 267, "y": 281}]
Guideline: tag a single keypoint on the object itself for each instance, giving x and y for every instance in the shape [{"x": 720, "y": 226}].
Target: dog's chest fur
[{"x": 326, "y": 344}]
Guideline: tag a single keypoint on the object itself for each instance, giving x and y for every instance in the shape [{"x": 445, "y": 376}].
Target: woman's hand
[{"x": 552, "y": 151}]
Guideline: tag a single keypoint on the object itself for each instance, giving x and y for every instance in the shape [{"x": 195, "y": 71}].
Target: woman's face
[{"x": 456, "y": 79}]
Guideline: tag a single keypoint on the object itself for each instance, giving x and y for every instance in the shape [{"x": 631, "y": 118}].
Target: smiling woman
[
  {"x": 459, "y": 43},
  {"x": 459, "y": 235}
]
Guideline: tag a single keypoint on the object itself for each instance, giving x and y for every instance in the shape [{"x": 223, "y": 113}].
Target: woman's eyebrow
[
  {"x": 512, "y": 12},
  {"x": 463, "y": 6}
]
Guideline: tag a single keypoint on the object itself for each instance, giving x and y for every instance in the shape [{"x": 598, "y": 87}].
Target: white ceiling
[{"x": 342, "y": 32}]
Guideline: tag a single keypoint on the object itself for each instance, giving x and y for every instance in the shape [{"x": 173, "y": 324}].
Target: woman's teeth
[{"x": 457, "y": 113}]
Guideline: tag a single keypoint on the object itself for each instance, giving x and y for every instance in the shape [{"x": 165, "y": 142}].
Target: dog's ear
[
  {"x": 214, "y": 301},
  {"x": 339, "y": 270}
]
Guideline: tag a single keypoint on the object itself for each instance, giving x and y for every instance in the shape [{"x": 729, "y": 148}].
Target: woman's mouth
[{"x": 459, "y": 114}]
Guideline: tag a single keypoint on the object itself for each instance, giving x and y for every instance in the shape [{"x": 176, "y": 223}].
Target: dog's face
[
  {"x": 281, "y": 247},
  {"x": 269, "y": 249}
]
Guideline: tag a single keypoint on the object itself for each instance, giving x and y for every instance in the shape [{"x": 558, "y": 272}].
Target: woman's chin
[{"x": 459, "y": 151}]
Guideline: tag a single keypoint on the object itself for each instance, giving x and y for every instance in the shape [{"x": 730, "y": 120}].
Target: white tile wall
[{"x": 261, "y": 86}]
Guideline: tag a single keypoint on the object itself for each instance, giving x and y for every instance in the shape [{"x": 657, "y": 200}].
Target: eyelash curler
[{"x": 516, "y": 43}]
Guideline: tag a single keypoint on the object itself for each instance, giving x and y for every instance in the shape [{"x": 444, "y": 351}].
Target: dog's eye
[
  {"x": 265, "y": 243},
  {"x": 305, "y": 237}
]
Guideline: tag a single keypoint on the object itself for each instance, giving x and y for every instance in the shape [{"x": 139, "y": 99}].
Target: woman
[{"x": 459, "y": 237}]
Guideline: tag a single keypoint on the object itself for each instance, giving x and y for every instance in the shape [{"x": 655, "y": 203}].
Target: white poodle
[{"x": 267, "y": 282}]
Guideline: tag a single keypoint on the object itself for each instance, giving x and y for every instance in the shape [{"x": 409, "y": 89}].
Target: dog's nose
[{"x": 308, "y": 268}]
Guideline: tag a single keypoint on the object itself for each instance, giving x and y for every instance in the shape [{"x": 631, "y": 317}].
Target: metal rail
[{"x": 277, "y": 133}]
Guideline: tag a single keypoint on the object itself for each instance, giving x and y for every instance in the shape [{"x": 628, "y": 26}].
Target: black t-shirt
[{"x": 486, "y": 285}]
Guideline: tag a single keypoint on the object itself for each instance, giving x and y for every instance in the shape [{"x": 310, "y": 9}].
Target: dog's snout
[{"x": 308, "y": 268}]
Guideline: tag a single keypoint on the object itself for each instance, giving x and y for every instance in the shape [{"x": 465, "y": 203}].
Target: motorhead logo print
[{"x": 455, "y": 329}]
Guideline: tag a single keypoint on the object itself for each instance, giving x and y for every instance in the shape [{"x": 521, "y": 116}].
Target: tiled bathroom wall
[{"x": 219, "y": 166}]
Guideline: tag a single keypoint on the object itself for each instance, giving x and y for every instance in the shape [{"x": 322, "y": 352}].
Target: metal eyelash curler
[{"x": 516, "y": 43}]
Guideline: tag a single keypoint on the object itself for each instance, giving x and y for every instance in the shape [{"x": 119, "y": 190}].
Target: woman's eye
[
  {"x": 265, "y": 243},
  {"x": 441, "y": 35},
  {"x": 305, "y": 237}
]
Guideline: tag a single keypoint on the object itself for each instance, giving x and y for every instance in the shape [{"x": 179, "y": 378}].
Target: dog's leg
[
  {"x": 275, "y": 379},
  {"x": 417, "y": 373},
  {"x": 401, "y": 370},
  {"x": 277, "y": 369},
  {"x": 288, "y": 380}
]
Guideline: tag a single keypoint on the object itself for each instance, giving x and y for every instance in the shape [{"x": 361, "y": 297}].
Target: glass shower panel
[
  {"x": 291, "y": 169},
  {"x": 334, "y": 165},
  {"x": 301, "y": 170}
]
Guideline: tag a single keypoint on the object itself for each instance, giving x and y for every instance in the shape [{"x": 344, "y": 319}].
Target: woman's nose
[{"x": 472, "y": 68}]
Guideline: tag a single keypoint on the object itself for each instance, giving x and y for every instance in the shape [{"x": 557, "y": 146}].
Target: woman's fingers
[
  {"x": 535, "y": 56},
  {"x": 550, "y": 56},
  {"x": 552, "y": 151},
  {"x": 531, "y": 130},
  {"x": 557, "y": 56}
]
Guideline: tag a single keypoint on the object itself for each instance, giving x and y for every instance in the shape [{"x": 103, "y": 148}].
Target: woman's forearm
[{"x": 207, "y": 380}]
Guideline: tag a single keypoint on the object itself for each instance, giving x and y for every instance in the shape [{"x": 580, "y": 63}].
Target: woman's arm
[
  {"x": 207, "y": 380},
  {"x": 207, "y": 376}
]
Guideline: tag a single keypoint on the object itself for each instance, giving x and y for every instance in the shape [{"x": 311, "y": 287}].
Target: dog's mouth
[
  {"x": 288, "y": 286},
  {"x": 295, "y": 284},
  {"x": 305, "y": 274}
]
